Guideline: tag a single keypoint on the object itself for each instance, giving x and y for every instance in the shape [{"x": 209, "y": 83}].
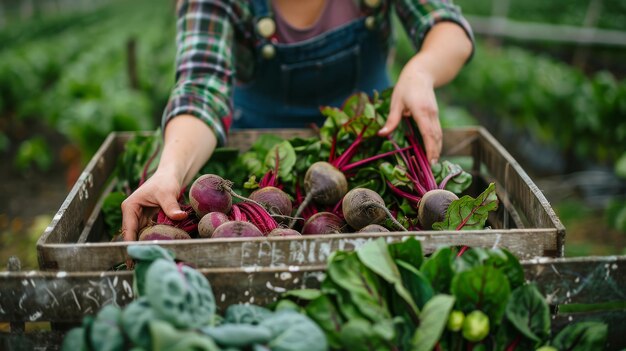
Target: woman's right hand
[
  {"x": 187, "y": 145},
  {"x": 159, "y": 191}
]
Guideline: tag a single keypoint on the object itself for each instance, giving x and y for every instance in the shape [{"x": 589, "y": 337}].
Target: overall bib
[{"x": 292, "y": 81}]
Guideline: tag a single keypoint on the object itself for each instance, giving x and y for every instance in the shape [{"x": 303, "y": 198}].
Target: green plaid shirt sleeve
[
  {"x": 419, "y": 16},
  {"x": 204, "y": 64}
]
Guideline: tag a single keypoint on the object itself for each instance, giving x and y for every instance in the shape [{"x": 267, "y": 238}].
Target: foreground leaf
[
  {"x": 482, "y": 288},
  {"x": 528, "y": 311},
  {"x": 433, "y": 320},
  {"x": 582, "y": 336}
]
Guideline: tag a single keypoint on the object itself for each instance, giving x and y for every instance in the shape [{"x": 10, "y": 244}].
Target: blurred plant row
[{"x": 77, "y": 80}]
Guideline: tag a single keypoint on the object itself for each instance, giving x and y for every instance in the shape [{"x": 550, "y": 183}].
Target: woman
[{"x": 289, "y": 57}]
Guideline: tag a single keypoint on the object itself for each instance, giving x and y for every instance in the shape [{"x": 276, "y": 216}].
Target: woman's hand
[
  {"x": 414, "y": 95},
  {"x": 444, "y": 51},
  {"x": 187, "y": 145},
  {"x": 159, "y": 191}
]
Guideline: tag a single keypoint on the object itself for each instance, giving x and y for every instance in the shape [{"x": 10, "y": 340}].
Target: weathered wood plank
[
  {"x": 586, "y": 280},
  {"x": 289, "y": 251},
  {"x": 40, "y": 341},
  {"x": 67, "y": 296}
]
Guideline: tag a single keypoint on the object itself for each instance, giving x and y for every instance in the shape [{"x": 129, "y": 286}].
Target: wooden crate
[
  {"x": 595, "y": 285},
  {"x": 524, "y": 223}
]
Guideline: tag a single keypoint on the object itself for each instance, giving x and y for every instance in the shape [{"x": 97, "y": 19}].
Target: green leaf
[
  {"x": 303, "y": 294},
  {"x": 112, "y": 212},
  {"x": 167, "y": 338},
  {"x": 246, "y": 314},
  {"x": 482, "y": 288},
  {"x": 360, "y": 335},
  {"x": 498, "y": 258},
  {"x": 144, "y": 255},
  {"x": 292, "y": 331},
  {"x": 416, "y": 283},
  {"x": 433, "y": 320},
  {"x": 375, "y": 256},
  {"x": 469, "y": 213},
  {"x": 136, "y": 318},
  {"x": 528, "y": 311},
  {"x": 456, "y": 184},
  {"x": 620, "y": 166},
  {"x": 438, "y": 269},
  {"x": 286, "y": 159},
  {"x": 409, "y": 251},
  {"x": 106, "y": 332},
  {"x": 323, "y": 312},
  {"x": 179, "y": 295},
  {"x": 582, "y": 336},
  {"x": 238, "y": 335},
  {"x": 363, "y": 286},
  {"x": 74, "y": 340}
]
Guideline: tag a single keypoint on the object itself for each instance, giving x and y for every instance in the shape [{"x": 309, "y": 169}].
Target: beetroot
[
  {"x": 373, "y": 228},
  {"x": 433, "y": 207},
  {"x": 323, "y": 223},
  {"x": 162, "y": 232},
  {"x": 362, "y": 207},
  {"x": 210, "y": 193},
  {"x": 284, "y": 232},
  {"x": 273, "y": 199},
  {"x": 236, "y": 229},
  {"x": 210, "y": 222}
]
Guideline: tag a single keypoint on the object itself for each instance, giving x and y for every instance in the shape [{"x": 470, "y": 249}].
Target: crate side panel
[{"x": 298, "y": 251}]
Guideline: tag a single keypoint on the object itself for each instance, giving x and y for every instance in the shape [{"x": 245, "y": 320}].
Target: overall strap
[{"x": 261, "y": 9}]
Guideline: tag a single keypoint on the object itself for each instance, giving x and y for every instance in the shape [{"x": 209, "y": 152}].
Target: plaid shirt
[{"x": 215, "y": 44}]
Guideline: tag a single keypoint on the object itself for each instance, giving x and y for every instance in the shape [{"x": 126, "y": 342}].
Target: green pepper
[
  {"x": 547, "y": 348},
  {"x": 475, "y": 326},
  {"x": 455, "y": 321}
]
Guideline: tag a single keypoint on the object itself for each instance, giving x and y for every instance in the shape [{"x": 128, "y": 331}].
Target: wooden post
[
  {"x": 131, "y": 63},
  {"x": 581, "y": 55},
  {"x": 499, "y": 14},
  {"x": 14, "y": 265}
]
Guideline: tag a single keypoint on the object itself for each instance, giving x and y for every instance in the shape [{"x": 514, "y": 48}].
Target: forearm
[
  {"x": 445, "y": 50},
  {"x": 188, "y": 144}
]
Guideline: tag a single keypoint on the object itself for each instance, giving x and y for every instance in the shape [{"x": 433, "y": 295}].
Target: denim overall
[{"x": 292, "y": 81}]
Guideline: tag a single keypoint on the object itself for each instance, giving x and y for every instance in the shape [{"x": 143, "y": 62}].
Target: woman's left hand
[{"x": 414, "y": 95}]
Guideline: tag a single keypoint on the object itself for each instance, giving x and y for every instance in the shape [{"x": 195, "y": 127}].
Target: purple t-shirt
[{"x": 334, "y": 14}]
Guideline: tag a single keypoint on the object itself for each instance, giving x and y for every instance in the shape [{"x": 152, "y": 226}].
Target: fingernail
[{"x": 382, "y": 130}]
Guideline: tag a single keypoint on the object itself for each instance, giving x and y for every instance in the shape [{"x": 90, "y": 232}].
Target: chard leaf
[
  {"x": 395, "y": 174},
  {"x": 409, "y": 251},
  {"x": 433, "y": 320},
  {"x": 286, "y": 159},
  {"x": 457, "y": 180},
  {"x": 484, "y": 288},
  {"x": 375, "y": 256},
  {"x": 438, "y": 269},
  {"x": 582, "y": 336},
  {"x": 335, "y": 118},
  {"x": 469, "y": 213},
  {"x": 528, "y": 311},
  {"x": 362, "y": 285}
]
